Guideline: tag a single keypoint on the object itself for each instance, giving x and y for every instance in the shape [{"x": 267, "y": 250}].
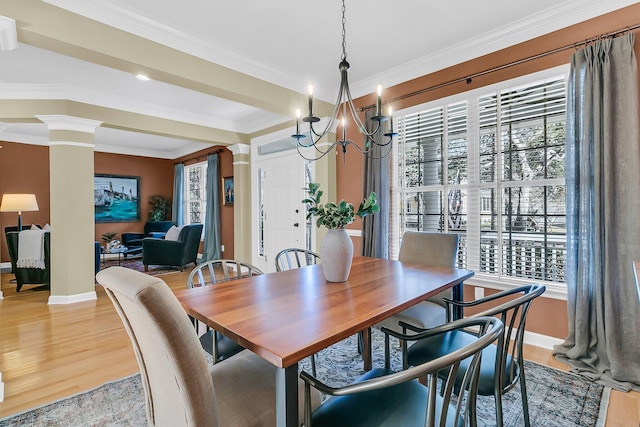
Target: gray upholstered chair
[
  {"x": 181, "y": 389},
  {"x": 290, "y": 258},
  {"x": 433, "y": 250},
  {"x": 503, "y": 363},
  {"x": 210, "y": 273},
  {"x": 383, "y": 398}
]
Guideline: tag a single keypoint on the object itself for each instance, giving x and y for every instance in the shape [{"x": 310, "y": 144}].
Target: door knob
[{"x": 296, "y": 224}]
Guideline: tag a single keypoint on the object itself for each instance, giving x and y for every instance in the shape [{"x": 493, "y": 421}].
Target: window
[
  {"x": 195, "y": 193},
  {"x": 489, "y": 166}
]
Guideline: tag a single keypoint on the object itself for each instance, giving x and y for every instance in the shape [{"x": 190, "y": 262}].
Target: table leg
[
  {"x": 457, "y": 296},
  {"x": 366, "y": 349},
  {"x": 287, "y": 396}
]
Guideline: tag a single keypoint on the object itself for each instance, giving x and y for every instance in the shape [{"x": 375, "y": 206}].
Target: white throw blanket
[{"x": 31, "y": 249}]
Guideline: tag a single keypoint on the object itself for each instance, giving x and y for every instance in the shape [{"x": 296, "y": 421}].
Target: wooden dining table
[{"x": 287, "y": 316}]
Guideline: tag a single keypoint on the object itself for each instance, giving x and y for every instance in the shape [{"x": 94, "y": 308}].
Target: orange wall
[
  {"x": 24, "y": 168},
  {"x": 156, "y": 177},
  {"x": 547, "y": 316}
]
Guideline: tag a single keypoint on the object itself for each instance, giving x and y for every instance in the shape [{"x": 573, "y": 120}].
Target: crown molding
[
  {"x": 140, "y": 25},
  {"x": 559, "y": 16},
  {"x": 536, "y": 25}
]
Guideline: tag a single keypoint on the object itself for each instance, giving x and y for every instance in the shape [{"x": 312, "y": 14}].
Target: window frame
[
  {"x": 486, "y": 280},
  {"x": 187, "y": 193}
]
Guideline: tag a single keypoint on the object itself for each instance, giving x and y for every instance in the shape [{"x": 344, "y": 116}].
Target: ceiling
[{"x": 229, "y": 71}]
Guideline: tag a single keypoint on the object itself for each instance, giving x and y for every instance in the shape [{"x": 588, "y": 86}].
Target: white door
[{"x": 283, "y": 225}]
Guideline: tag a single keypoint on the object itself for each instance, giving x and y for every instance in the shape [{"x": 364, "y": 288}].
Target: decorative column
[
  {"x": 72, "y": 212},
  {"x": 8, "y": 41},
  {"x": 241, "y": 201}
]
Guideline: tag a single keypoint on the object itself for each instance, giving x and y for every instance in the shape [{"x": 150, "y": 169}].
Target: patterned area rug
[{"x": 556, "y": 398}]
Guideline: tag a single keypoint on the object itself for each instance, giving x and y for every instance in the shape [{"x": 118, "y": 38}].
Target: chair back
[
  {"x": 291, "y": 258},
  {"x": 190, "y": 235},
  {"x": 178, "y": 387},
  {"x": 511, "y": 307},
  {"x": 432, "y": 250},
  {"x": 156, "y": 227},
  {"x": 220, "y": 270},
  {"x": 401, "y": 401}
]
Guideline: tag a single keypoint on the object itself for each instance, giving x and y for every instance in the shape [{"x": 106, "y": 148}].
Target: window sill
[{"x": 554, "y": 290}]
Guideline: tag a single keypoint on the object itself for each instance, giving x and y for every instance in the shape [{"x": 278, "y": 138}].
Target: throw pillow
[
  {"x": 173, "y": 233},
  {"x": 47, "y": 227},
  {"x": 35, "y": 227}
]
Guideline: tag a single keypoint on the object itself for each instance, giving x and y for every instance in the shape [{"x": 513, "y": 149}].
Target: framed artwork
[
  {"x": 116, "y": 198},
  {"x": 227, "y": 191}
]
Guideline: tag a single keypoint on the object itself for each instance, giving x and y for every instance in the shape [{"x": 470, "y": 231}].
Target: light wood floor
[{"x": 51, "y": 352}]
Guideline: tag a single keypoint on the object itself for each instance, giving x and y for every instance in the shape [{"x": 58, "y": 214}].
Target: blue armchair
[
  {"x": 155, "y": 229},
  {"x": 177, "y": 253}
]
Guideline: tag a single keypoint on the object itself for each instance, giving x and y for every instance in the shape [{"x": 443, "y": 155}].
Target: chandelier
[{"x": 372, "y": 138}]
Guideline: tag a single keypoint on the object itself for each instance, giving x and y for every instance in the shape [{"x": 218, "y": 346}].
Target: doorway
[{"x": 279, "y": 218}]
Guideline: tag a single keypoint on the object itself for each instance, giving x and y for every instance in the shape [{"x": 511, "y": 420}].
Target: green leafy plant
[
  {"x": 333, "y": 215},
  {"x": 107, "y": 237},
  {"x": 160, "y": 207}
]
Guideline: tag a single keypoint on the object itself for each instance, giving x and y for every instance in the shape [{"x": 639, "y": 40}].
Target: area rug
[
  {"x": 556, "y": 398},
  {"x": 136, "y": 264}
]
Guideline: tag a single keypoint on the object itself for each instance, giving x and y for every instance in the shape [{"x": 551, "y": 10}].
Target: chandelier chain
[
  {"x": 344, "y": 32},
  {"x": 376, "y": 137}
]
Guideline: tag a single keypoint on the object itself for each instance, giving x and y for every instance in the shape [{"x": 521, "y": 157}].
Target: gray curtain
[
  {"x": 375, "y": 229},
  {"x": 603, "y": 205},
  {"x": 212, "y": 242},
  {"x": 177, "y": 208}
]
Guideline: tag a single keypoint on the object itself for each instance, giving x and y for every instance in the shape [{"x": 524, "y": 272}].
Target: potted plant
[
  {"x": 336, "y": 249},
  {"x": 160, "y": 207}
]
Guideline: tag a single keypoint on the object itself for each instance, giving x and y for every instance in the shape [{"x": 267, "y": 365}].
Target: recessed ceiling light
[{"x": 142, "y": 77}]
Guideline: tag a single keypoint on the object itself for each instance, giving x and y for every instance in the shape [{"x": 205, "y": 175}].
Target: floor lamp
[{"x": 19, "y": 203}]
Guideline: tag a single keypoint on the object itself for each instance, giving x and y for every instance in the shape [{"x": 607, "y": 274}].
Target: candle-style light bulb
[
  {"x": 390, "y": 120},
  {"x": 344, "y": 129},
  {"x": 310, "y": 100},
  {"x": 379, "y": 101}
]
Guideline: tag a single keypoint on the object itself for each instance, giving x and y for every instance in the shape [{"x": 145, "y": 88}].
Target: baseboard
[
  {"x": 542, "y": 341},
  {"x": 5, "y": 267},
  {"x": 71, "y": 299}
]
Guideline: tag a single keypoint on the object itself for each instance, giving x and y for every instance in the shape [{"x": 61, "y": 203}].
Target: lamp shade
[{"x": 18, "y": 203}]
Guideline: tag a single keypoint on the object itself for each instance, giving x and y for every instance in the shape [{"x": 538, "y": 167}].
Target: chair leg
[
  {"x": 146, "y": 268},
  {"x": 498, "y": 400},
  {"x": 313, "y": 365},
  {"x": 525, "y": 400}
]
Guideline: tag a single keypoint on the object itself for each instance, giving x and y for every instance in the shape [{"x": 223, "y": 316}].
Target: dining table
[{"x": 287, "y": 316}]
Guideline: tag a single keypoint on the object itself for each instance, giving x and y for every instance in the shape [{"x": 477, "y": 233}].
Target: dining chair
[
  {"x": 502, "y": 365},
  {"x": 383, "y": 398},
  {"x": 432, "y": 250},
  {"x": 290, "y": 258},
  {"x": 180, "y": 388},
  {"x": 210, "y": 273}
]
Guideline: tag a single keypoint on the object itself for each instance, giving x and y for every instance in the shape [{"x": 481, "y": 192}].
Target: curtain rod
[
  {"x": 469, "y": 78},
  {"x": 219, "y": 150}
]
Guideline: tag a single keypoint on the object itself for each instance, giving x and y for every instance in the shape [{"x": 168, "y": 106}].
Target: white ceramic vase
[{"x": 336, "y": 253}]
